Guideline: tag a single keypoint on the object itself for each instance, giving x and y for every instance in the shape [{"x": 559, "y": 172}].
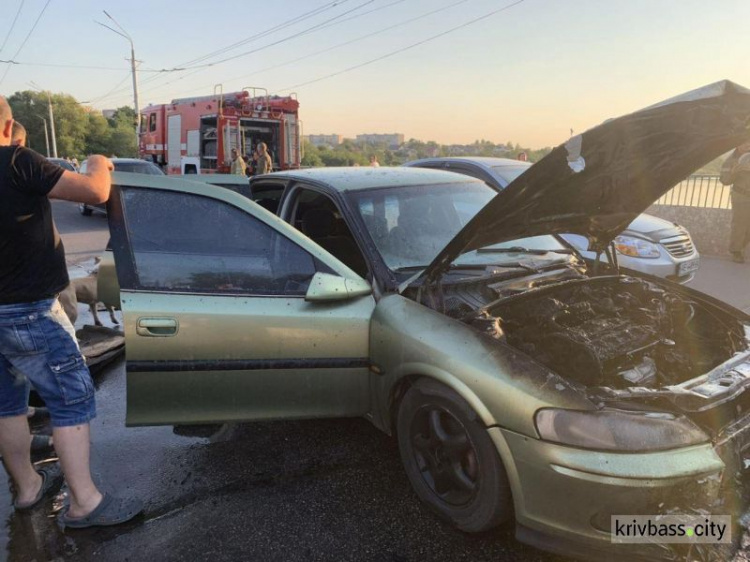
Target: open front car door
[{"x": 230, "y": 313}]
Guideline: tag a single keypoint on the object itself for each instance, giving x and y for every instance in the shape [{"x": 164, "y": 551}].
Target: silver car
[{"x": 649, "y": 244}]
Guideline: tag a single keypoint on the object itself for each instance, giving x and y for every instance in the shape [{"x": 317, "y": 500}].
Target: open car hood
[{"x": 599, "y": 181}]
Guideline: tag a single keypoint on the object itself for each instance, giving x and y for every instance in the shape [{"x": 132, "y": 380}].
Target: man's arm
[{"x": 92, "y": 187}]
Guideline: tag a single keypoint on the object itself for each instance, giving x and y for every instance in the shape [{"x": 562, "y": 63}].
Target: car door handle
[{"x": 156, "y": 327}]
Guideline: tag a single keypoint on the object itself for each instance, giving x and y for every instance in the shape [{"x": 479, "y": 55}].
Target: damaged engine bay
[{"x": 613, "y": 331}]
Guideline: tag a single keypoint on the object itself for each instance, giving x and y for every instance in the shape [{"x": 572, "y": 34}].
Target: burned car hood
[{"x": 599, "y": 181}]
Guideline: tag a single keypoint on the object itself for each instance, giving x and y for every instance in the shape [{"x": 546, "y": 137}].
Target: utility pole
[
  {"x": 123, "y": 33},
  {"x": 46, "y": 137}
]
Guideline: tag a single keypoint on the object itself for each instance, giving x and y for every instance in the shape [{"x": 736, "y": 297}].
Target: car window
[
  {"x": 466, "y": 170},
  {"x": 138, "y": 168},
  {"x": 411, "y": 224},
  {"x": 190, "y": 243},
  {"x": 511, "y": 172},
  {"x": 267, "y": 194}
]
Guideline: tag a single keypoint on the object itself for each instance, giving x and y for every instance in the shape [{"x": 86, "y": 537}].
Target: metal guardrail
[{"x": 702, "y": 191}]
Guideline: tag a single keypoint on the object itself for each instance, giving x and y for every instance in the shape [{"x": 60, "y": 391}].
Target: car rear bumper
[{"x": 564, "y": 497}]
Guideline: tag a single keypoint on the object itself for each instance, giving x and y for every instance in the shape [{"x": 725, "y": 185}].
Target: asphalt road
[{"x": 312, "y": 490}]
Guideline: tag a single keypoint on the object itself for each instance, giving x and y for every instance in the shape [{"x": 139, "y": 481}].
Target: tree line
[
  {"x": 80, "y": 130},
  {"x": 350, "y": 153}
]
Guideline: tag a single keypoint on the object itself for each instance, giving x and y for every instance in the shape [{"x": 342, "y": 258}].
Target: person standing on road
[
  {"x": 736, "y": 172},
  {"x": 238, "y": 165},
  {"x": 265, "y": 164},
  {"x": 18, "y": 135},
  {"x": 37, "y": 341}
]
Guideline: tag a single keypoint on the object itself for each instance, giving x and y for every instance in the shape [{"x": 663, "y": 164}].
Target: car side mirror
[{"x": 327, "y": 287}]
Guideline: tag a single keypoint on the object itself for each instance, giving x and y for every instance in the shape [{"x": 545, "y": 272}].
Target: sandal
[
  {"x": 40, "y": 413},
  {"x": 51, "y": 481},
  {"x": 41, "y": 444},
  {"x": 110, "y": 511}
]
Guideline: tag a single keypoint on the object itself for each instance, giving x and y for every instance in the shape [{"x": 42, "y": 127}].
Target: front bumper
[
  {"x": 564, "y": 497},
  {"x": 665, "y": 266}
]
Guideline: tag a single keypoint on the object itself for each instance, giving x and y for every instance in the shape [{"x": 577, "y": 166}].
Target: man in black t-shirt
[{"x": 37, "y": 341}]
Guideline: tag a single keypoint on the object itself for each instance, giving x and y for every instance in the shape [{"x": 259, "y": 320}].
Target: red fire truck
[{"x": 196, "y": 135}]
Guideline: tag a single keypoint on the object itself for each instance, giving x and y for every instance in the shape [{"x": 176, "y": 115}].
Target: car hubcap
[{"x": 445, "y": 455}]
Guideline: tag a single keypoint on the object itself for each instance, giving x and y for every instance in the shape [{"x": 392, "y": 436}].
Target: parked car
[
  {"x": 132, "y": 165},
  {"x": 519, "y": 384},
  {"x": 63, "y": 163},
  {"x": 648, "y": 244}
]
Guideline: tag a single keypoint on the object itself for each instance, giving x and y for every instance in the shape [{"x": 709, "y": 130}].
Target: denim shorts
[{"x": 38, "y": 347}]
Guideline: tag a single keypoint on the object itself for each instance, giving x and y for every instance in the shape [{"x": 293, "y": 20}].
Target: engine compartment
[{"x": 614, "y": 331}]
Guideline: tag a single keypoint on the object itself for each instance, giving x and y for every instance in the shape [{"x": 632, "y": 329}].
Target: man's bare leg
[
  {"x": 15, "y": 446},
  {"x": 73, "y": 447}
]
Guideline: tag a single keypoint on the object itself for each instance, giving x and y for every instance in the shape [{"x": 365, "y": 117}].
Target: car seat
[{"x": 320, "y": 226}]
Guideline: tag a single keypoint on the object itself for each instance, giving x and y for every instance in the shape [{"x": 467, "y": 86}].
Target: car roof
[
  {"x": 366, "y": 177},
  {"x": 485, "y": 161},
  {"x": 226, "y": 179},
  {"x": 129, "y": 161}
]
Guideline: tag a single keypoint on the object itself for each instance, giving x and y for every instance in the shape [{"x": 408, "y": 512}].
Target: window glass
[
  {"x": 190, "y": 243},
  {"x": 152, "y": 122},
  {"x": 410, "y": 225},
  {"x": 137, "y": 167},
  {"x": 144, "y": 121},
  {"x": 510, "y": 173}
]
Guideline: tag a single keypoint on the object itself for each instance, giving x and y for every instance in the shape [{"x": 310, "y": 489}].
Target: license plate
[{"x": 687, "y": 267}]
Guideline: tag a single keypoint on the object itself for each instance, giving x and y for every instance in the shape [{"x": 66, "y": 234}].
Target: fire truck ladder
[{"x": 254, "y": 98}]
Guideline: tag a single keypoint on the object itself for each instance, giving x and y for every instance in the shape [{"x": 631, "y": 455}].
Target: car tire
[
  {"x": 85, "y": 210},
  {"x": 450, "y": 458}
]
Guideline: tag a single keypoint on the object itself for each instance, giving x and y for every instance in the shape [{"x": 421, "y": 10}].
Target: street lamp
[
  {"x": 51, "y": 119},
  {"x": 123, "y": 33},
  {"x": 46, "y": 137}
]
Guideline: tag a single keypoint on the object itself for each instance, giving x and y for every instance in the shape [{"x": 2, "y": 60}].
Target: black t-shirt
[{"x": 32, "y": 257}]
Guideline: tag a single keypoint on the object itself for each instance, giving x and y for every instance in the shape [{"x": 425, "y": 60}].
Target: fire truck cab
[{"x": 196, "y": 135}]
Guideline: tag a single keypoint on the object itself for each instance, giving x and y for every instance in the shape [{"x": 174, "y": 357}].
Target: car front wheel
[
  {"x": 85, "y": 210},
  {"x": 450, "y": 459}
]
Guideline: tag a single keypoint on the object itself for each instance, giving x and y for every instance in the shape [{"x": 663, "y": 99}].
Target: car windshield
[
  {"x": 509, "y": 173},
  {"x": 410, "y": 225},
  {"x": 138, "y": 168}
]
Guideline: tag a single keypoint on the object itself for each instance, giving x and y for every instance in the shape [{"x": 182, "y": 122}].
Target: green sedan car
[{"x": 520, "y": 385}]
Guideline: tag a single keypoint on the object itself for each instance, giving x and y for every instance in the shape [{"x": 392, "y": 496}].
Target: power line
[
  {"x": 282, "y": 25},
  {"x": 84, "y": 67},
  {"x": 284, "y": 40},
  {"x": 408, "y": 47},
  {"x": 120, "y": 83},
  {"x": 13, "y": 25},
  {"x": 33, "y": 27},
  {"x": 278, "y": 27},
  {"x": 357, "y": 39},
  {"x": 316, "y": 27},
  {"x": 339, "y": 45}
]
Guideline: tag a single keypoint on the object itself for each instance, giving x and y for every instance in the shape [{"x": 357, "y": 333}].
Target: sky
[{"x": 451, "y": 71}]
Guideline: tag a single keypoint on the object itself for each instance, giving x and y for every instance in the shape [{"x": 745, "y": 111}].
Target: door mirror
[{"x": 327, "y": 287}]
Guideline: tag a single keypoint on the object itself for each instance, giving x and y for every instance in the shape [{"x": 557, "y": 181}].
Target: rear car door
[{"x": 217, "y": 325}]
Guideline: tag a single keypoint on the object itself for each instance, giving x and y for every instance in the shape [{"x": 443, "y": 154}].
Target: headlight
[
  {"x": 636, "y": 247},
  {"x": 616, "y": 430}
]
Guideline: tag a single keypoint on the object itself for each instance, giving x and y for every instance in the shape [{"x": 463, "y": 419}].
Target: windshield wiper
[{"x": 521, "y": 249}]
